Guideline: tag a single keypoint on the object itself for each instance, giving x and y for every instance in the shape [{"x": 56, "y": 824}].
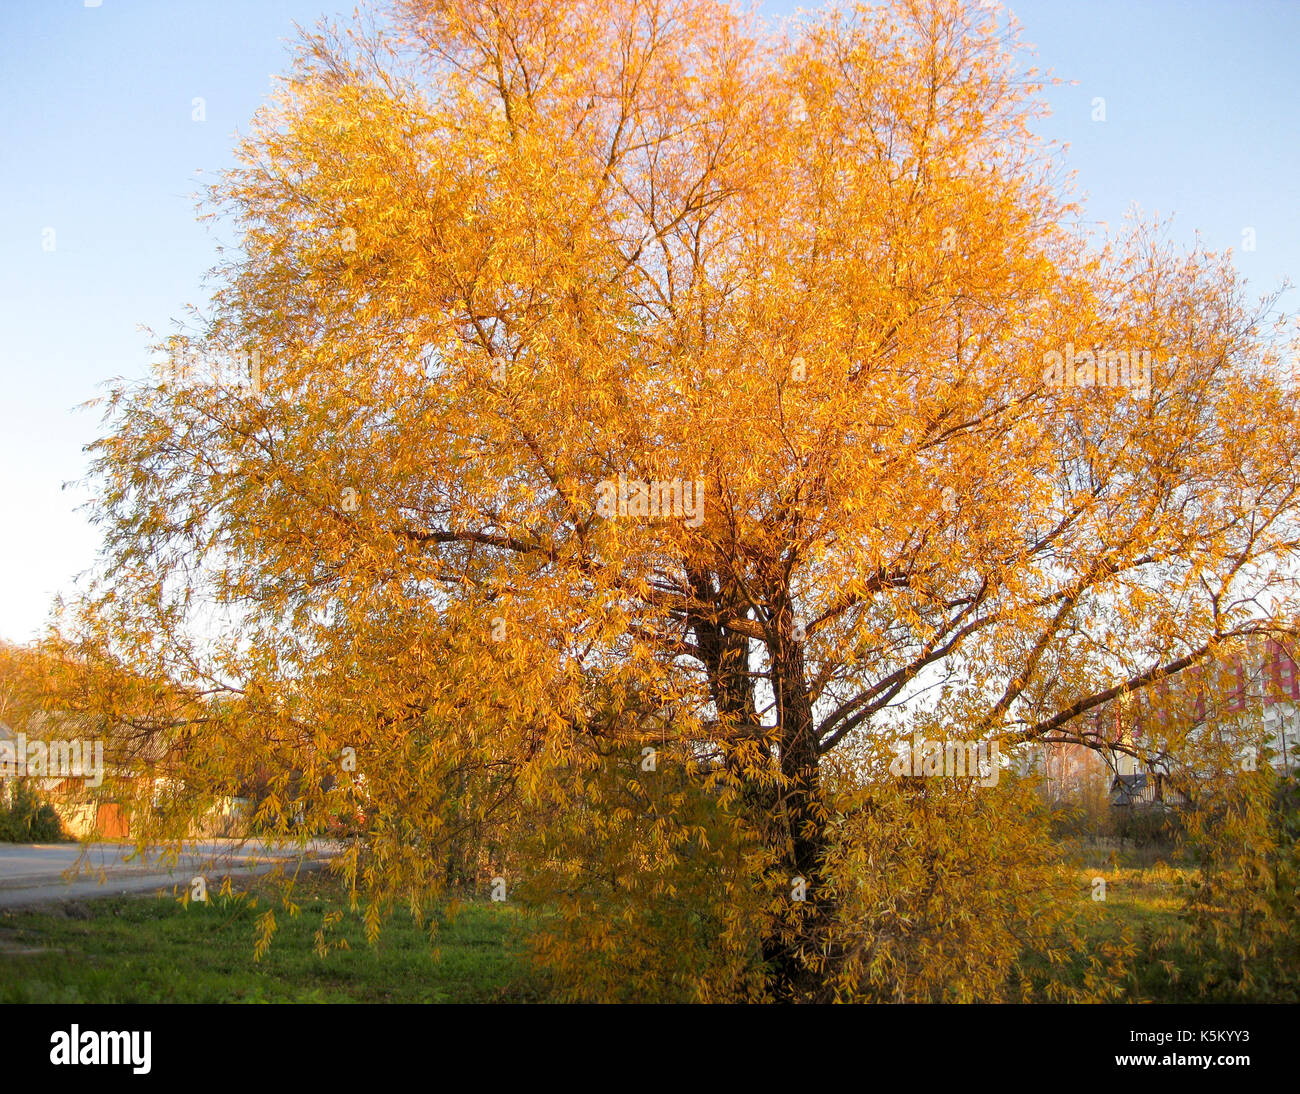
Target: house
[
  {"x": 1145, "y": 790},
  {"x": 68, "y": 768},
  {"x": 94, "y": 780}
]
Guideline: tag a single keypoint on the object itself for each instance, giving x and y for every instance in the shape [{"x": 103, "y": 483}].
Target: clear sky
[{"x": 101, "y": 146}]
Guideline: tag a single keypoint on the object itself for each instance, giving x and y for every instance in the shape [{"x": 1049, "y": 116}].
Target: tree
[{"x": 608, "y": 376}]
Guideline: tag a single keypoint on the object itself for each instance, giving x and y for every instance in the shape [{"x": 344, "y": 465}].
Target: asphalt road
[{"x": 44, "y": 872}]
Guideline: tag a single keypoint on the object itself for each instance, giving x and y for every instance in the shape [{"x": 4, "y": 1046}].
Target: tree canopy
[{"x": 603, "y": 392}]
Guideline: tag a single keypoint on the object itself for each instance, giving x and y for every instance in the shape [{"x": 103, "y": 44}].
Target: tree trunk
[
  {"x": 802, "y": 827},
  {"x": 791, "y": 817}
]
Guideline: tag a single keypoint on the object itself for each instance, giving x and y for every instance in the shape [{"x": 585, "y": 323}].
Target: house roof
[
  {"x": 123, "y": 745},
  {"x": 1128, "y": 788}
]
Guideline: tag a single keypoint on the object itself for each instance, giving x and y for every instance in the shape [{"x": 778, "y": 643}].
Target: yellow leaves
[
  {"x": 618, "y": 279},
  {"x": 322, "y": 944},
  {"x": 266, "y": 928}
]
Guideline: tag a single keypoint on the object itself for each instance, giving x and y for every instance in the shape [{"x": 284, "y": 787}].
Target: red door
[{"x": 111, "y": 821}]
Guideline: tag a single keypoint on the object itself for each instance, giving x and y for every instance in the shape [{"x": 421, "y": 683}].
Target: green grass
[
  {"x": 152, "y": 949},
  {"x": 156, "y": 950},
  {"x": 1144, "y": 901}
]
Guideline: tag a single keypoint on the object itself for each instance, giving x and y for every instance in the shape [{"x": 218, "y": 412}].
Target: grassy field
[
  {"x": 150, "y": 949},
  {"x": 1143, "y": 899},
  {"x": 154, "y": 950},
  {"x": 1146, "y": 892}
]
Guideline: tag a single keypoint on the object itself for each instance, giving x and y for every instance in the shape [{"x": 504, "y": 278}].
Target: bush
[
  {"x": 1148, "y": 827},
  {"x": 28, "y": 819},
  {"x": 647, "y": 888},
  {"x": 1243, "y": 911},
  {"x": 656, "y": 889},
  {"x": 954, "y": 892}
]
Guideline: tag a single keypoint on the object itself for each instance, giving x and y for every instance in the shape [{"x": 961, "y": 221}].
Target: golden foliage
[{"x": 497, "y": 257}]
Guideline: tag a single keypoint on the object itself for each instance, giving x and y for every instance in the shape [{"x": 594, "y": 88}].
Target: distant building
[
  {"x": 1145, "y": 790},
  {"x": 1249, "y": 703},
  {"x": 92, "y": 779}
]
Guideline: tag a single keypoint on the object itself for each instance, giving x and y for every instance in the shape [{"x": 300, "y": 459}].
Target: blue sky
[{"x": 100, "y": 144}]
